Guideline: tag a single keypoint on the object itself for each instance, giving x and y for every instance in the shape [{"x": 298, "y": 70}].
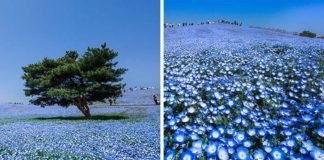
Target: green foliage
[
  {"x": 74, "y": 79},
  {"x": 307, "y": 34}
]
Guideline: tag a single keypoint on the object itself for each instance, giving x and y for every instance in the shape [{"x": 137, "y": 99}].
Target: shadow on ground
[{"x": 94, "y": 117}]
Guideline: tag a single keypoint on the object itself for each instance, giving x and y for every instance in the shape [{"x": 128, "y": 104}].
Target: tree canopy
[
  {"x": 307, "y": 34},
  {"x": 74, "y": 79}
]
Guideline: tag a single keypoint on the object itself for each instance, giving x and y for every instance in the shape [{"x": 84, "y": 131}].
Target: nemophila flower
[
  {"x": 211, "y": 149},
  {"x": 222, "y": 153},
  {"x": 291, "y": 143},
  {"x": 203, "y": 105},
  {"x": 285, "y": 149},
  {"x": 187, "y": 155},
  {"x": 308, "y": 145},
  {"x": 170, "y": 155},
  {"x": 214, "y": 134},
  {"x": 303, "y": 150},
  {"x": 230, "y": 103},
  {"x": 221, "y": 129},
  {"x": 238, "y": 120},
  {"x": 171, "y": 122},
  {"x": 277, "y": 154},
  {"x": 221, "y": 107},
  {"x": 218, "y": 95},
  {"x": 239, "y": 137},
  {"x": 197, "y": 147},
  {"x": 231, "y": 143},
  {"x": 185, "y": 119},
  {"x": 295, "y": 157},
  {"x": 247, "y": 143},
  {"x": 194, "y": 136},
  {"x": 320, "y": 131},
  {"x": 300, "y": 137},
  {"x": 231, "y": 150},
  {"x": 268, "y": 90},
  {"x": 179, "y": 137},
  {"x": 287, "y": 132},
  {"x": 251, "y": 132},
  {"x": 230, "y": 131},
  {"x": 317, "y": 154},
  {"x": 268, "y": 149},
  {"x": 259, "y": 154},
  {"x": 262, "y": 132},
  {"x": 307, "y": 117},
  {"x": 244, "y": 123},
  {"x": 191, "y": 110},
  {"x": 242, "y": 153}
]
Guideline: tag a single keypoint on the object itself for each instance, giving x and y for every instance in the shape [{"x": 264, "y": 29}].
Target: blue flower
[
  {"x": 259, "y": 154},
  {"x": 238, "y": 120},
  {"x": 230, "y": 103},
  {"x": 231, "y": 143},
  {"x": 194, "y": 136},
  {"x": 303, "y": 150},
  {"x": 171, "y": 122},
  {"x": 291, "y": 143},
  {"x": 231, "y": 150},
  {"x": 239, "y": 137},
  {"x": 170, "y": 155},
  {"x": 188, "y": 155},
  {"x": 308, "y": 145},
  {"x": 277, "y": 154},
  {"x": 295, "y": 157},
  {"x": 179, "y": 137},
  {"x": 287, "y": 132},
  {"x": 320, "y": 131},
  {"x": 214, "y": 134},
  {"x": 268, "y": 149},
  {"x": 317, "y": 154},
  {"x": 247, "y": 143},
  {"x": 307, "y": 117},
  {"x": 197, "y": 147},
  {"x": 222, "y": 153},
  {"x": 251, "y": 132},
  {"x": 262, "y": 132},
  {"x": 221, "y": 129},
  {"x": 212, "y": 148},
  {"x": 242, "y": 153}
]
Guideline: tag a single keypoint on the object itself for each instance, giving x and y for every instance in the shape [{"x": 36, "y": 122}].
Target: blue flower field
[
  {"x": 242, "y": 93},
  {"x": 114, "y": 132}
]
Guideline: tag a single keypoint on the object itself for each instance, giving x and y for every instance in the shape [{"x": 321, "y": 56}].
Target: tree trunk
[{"x": 83, "y": 107}]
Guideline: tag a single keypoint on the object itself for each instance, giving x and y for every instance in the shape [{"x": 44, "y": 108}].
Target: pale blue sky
[{"x": 34, "y": 29}]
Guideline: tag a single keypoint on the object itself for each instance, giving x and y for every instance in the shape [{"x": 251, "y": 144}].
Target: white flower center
[
  {"x": 212, "y": 149},
  {"x": 186, "y": 157},
  {"x": 242, "y": 155},
  {"x": 222, "y": 155},
  {"x": 191, "y": 110},
  {"x": 179, "y": 138},
  {"x": 259, "y": 157},
  {"x": 276, "y": 154}
]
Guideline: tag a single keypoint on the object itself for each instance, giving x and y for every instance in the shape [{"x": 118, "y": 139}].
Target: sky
[
  {"x": 291, "y": 15},
  {"x": 35, "y": 29}
]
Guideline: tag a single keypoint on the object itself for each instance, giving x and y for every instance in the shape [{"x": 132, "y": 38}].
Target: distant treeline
[
  {"x": 16, "y": 103},
  {"x": 184, "y": 24}
]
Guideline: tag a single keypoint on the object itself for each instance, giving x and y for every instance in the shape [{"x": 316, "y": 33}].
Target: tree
[
  {"x": 75, "y": 80},
  {"x": 307, "y": 34}
]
